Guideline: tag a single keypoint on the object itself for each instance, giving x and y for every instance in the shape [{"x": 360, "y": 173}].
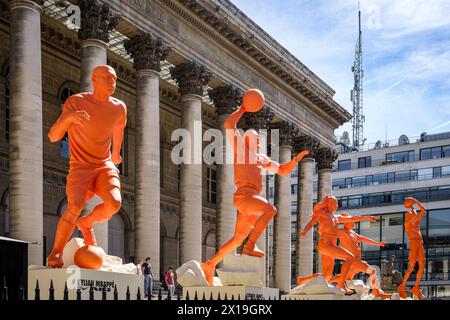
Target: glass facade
[
  {"x": 435, "y": 230},
  {"x": 392, "y": 177},
  {"x": 394, "y": 197}
]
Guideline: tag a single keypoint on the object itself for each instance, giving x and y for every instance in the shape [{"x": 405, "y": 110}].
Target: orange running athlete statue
[
  {"x": 93, "y": 121},
  {"x": 253, "y": 210},
  {"x": 416, "y": 252},
  {"x": 327, "y": 246},
  {"x": 350, "y": 240}
]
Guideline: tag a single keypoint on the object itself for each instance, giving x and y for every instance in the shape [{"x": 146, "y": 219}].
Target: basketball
[
  {"x": 408, "y": 203},
  {"x": 253, "y": 100},
  {"x": 89, "y": 257}
]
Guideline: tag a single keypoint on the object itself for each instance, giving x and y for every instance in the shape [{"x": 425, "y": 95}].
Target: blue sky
[{"x": 406, "y": 59}]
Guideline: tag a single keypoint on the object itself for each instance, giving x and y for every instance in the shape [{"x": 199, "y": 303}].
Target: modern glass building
[{"x": 375, "y": 181}]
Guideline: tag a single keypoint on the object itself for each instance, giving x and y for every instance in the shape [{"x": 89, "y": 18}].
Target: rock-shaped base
[
  {"x": 242, "y": 270},
  {"x": 316, "y": 286},
  {"x": 361, "y": 289},
  {"x": 110, "y": 263},
  {"x": 191, "y": 274}
]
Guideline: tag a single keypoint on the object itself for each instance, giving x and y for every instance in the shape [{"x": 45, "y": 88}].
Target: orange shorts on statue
[{"x": 84, "y": 181}]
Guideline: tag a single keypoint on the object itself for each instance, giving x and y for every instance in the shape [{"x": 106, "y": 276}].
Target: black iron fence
[{"x": 166, "y": 296}]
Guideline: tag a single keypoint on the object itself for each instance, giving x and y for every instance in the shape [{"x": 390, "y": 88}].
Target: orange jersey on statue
[
  {"x": 91, "y": 143},
  {"x": 348, "y": 240},
  {"x": 412, "y": 228}
]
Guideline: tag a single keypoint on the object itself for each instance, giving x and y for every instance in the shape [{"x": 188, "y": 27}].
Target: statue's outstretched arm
[
  {"x": 285, "y": 168},
  {"x": 361, "y": 238},
  {"x": 309, "y": 226}
]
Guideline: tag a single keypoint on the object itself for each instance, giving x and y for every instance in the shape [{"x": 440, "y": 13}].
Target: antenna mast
[{"x": 357, "y": 92}]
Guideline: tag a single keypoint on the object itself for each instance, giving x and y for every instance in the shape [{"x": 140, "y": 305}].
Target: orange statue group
[{"x": 95, "y": 124}]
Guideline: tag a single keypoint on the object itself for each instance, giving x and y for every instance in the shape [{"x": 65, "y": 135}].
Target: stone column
[
  {"x": 226, "y": 100},
  {"x": 25, "y": 142},
  {"x": 260, "y": 121},
  {"x": 325, "y": 158},
  {"x": 147, "y": 52},
  {"x": 191, "y": 78},
  {"x": 282, "y": 226},
  {"x": 304, "y": 246},
  {"x": 96, "y": 22}
]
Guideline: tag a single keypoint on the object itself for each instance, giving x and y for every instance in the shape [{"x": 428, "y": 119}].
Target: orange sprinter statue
[
  {"x": 93, "y": 121},
  {"x": 416, "y": 252},
  {"x": 328, "y": 235},
  {"x": 350, "y": 241},
  {"x": 254, "y": 212}
]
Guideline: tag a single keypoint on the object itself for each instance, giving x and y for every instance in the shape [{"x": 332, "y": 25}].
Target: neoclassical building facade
[{"x": 180, "y": 63}]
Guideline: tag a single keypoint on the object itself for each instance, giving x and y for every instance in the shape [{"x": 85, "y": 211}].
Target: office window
[
  {"x": 365, "y": 162},
  {"x": 379, "y": 179},
  {"x": 64, "y": 144},
  {"x": 436, "y": 152},
  {"x": 211, "y": 185},
  {"x": 339, "y": 183},
  {"x": 446, "y": 151},
  {"x": 405, "y": 156},
  {"x": 7, "y": 104},
  {"x": 369, "y": 180},
  {"x": 437, "y": 172},
  {"x": 425, "y": 154},
  {"x": 445, "y": 171},
  {"x": 358, "y": 181},
  {"x": 414, "y": 174},
  {"x": 397, "y": 221},
  {"x": 391, "y": 177},
  {"x": 402, "y": 176},
  {"x": 293, "y": 188},
  {"x": 424, "y": 174},
  {"x": 344, "y": 165}
]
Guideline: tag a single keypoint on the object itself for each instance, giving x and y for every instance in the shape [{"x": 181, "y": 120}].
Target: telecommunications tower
[{"x": 357, "y": 92}]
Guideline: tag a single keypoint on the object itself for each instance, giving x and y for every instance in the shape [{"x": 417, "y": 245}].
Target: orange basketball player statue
[
  {"x": 350, "y": 240},
  {"x": 327, "y": 246},
  {"x": 253, "y": 210},
  {"x": 416, "y": 252},
  {"x": 93, "y": 121}
]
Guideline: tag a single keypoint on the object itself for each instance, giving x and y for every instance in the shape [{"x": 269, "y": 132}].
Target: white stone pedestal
[
  {"x": 83, "y": 279},
  {"x": 242, "y": 270},
  {"x": 235, "y": 292}
]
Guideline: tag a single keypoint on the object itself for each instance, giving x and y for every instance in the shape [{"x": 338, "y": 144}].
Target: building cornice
[{"x": 308, "y": 85}]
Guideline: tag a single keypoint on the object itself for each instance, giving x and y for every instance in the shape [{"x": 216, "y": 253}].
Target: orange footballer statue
[
  {"x": 93, "y": 121},
  {"x": 416, "y": 252},
  {"x": 254, "y": 212},
  {"x": 328, "y": 235},
  {"x": 350, "y": 240}
]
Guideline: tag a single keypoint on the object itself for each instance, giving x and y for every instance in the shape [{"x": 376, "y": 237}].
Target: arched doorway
[
  {"x": 116, "y": 237},
  {"x": 209, "y": 245},
  {"x": 4, "y": 214}
]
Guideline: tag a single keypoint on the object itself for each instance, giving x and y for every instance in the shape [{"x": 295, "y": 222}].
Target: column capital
[
  {"x": 191, "y": 77},
  {"x": 325, "y": 157},
  {"x": 260, "y": 119},
  {"x": 226, "y": 99},
  {"x": 288, "y": 131},
  {"x": 97, "y": 20},
  {"x": 147, "y": 51},
  {"x": 308, "y": 143},
  {"x": 32, "y": 4}
]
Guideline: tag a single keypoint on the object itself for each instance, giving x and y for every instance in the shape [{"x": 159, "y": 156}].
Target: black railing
[{"x": 51, "y": 294}]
